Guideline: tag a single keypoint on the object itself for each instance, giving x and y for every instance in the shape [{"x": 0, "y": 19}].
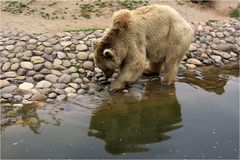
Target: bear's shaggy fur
[{"x": 156, "y": 33}]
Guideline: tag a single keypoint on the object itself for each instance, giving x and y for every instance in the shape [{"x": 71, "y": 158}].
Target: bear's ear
[{"x": 108, "y": 54}]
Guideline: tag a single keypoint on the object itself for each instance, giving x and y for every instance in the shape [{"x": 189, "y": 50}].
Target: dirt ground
[{"x": 56, "y": 16}]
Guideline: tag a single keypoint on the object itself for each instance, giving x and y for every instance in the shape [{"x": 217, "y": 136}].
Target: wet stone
[{"x": 38, "y": 97}]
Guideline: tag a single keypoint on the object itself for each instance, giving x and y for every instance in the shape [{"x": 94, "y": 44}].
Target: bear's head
[
  {"x": 111, "y": 49},
  {"x": 109, "y": 53}
]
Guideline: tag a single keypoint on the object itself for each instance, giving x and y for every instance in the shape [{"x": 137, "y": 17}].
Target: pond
[{"x": 198, "y": 117}]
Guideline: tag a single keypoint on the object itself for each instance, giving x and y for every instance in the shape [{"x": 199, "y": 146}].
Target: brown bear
[{"x": 156, "y": 33}]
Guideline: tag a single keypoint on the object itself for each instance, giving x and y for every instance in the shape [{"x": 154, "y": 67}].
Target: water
[{"x": 198, "y": 117}]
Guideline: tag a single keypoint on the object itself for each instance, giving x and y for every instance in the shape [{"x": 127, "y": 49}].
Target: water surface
[{"x": 198, "y": 117}]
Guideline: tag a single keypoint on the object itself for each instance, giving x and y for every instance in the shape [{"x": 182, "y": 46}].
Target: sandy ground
[{"x": 37, "y": 24}]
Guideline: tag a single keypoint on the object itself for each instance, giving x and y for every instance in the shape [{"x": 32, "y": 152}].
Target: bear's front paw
[{"x": 116, "y": 86}]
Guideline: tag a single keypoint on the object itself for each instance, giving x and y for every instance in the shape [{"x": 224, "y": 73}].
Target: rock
[
  {"x": 57, "y": 62},
  {"x": 220, "y": 34},
  {"x": 56, "y": 72},
  {"x": 27, "y": 54},
  {"x": 10, "y": 74},
  {"x": 58, "y": 47},
  {"x": 97, "y": 70},
  {"x": 66, "y": 63},
  {"x": 38, "y": 97},
  {"x": 42, "y": 38},
  {"x": 61, "y": 55},
  {"x": 233, "y": 54},
  {"x": 21, "y": 71},
  {"x": 18, "y": 105},
  {"x": 51, "y": 78},
  {"x": 81, "y": 47},
  {"x": 225, "y": 55},
  {"x": 7, "y": 95},
  {"x": 6, "y": 66},
  {"x": 14, "y": 66},
  {"x": 82, "y": 56},
  {"x": 31, "y": 46},
  {"x": 81, "y": 91},
  {"x": 48, "y": 65},
  {"x": 59, "y": 85},
  {"x": 32, "y": 41},
  {"x": 37, "y": 59},
  {"x": 9, "y": 47},
  {"x": 74, "y": 85},
  {"x": 48, "y": 50},
  {"x": 38, "y": 77},
  {"x": 71, "y": 55},
  {"x": 38, "y": 67},
  {"x": 70, "y": 90},
  {"x": 217, "y": 59},
  {"x": 61, "y": 97},
  {"x": 65, "y": 78},
  {"x": 194, "y": 61},
  {"x": 88, "y": 65},
  {"x": 52, "y": 41},
  {"x": 71, "y": 95},
  {"x": 66, "y": 43},
  {"x": 45, "y": 71},
  {"x": 190, "y": 66},
  {"x": 4, "y": 83},
  {"x": 8, "y": 89},
  {"x": 43, "y": 84},
  {"x": 91, "y": 91},
  {"x": 83, "y": 86},
  {"x": 192, "y": 48},
  {"x": 26, "y": 86},
  {"x": 26, "y": 65},
  {"x": 52, "y": 95}
]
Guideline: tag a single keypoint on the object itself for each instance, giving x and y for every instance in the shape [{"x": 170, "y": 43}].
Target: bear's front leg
[{"x": 132, "y": 69}]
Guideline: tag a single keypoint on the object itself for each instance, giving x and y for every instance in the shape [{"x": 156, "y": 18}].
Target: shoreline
[{"x": 40, "y": 67}]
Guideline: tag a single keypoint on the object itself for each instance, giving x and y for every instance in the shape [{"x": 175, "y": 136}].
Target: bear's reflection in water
[{"x": 127, "y": 124}]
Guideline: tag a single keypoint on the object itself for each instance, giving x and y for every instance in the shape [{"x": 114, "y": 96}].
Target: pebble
[
  {"x": 70, "y": 90},
  {"x": 217, "y": 59},
  {"x": 26, "y": 65},
  {"x": 81, "y": 47},
  {"x": 51, "y": 78},
  {"x": 88, "y": 65},
  {"x": 82, "y": 56},
  {"x": 37, "y": 59},
  {"x": 14, "y": 66},
  {"x": 6, "y": 66},
  {"x": 4, "y": 83},
  {"x": 10, "y": 74},
  {"x": 194, "y": 61},
  {"x": 43, "y": 84},
  {"x": 65, "y": 78},
  {"x": 38, "y": 97},
  {"x": 61, "y": 97},
  {"x": 26, "y": 86},
  {"x": 8, "y": 89}
]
